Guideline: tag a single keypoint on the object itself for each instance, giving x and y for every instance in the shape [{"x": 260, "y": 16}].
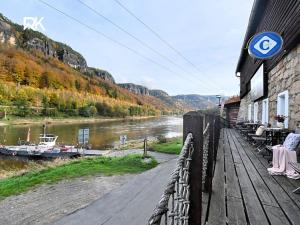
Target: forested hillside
[
  {"x": 35, "y": 85},
  {"x": 42, "y": 77}
]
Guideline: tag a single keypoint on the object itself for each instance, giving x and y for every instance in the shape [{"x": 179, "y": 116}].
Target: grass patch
[
  {"x": 172, "y": 146},
  {"x": 76, "y": 168}
]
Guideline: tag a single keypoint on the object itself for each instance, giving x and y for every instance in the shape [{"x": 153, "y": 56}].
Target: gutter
[{"x": 256, "y": 14}]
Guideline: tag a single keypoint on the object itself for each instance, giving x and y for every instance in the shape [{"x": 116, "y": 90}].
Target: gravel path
[
  {"x": 48, "y": 203},
  {"x": 131, "y": 204}
]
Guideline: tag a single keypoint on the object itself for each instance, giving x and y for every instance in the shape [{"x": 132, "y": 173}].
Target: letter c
[{"x": 261, "y": 45}]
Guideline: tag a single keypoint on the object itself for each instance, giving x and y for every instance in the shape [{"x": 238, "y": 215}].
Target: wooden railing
[{"x": 181, "y": 202}]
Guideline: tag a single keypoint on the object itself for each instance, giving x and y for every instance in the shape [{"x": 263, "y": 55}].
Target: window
[
  {"x": 283, "y": 106},
  {"x": 255, "y": 112},
  {"x": 257, "y": 84},
  {"x": 265, "y": 111},
  {"x": 249, "y": 112}
]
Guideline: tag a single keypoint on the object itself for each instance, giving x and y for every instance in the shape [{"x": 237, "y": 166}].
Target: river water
[{"x": 102, "y": 134}]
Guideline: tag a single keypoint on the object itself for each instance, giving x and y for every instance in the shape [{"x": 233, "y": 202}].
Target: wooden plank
[
  {"x": 288, "y": 185},
  {"x": 235, "y": 206},
  {"x": 217, "y": 210},
  {"x": 263, "y": 192},
  {"x": 205, "y": 199},
  {"x": 264, "y": 162},
  {"x": 276, "y": 216},
  {"x": 234, "y": 152},
  {"x": 287, "y": 205},
  {"x": 236, "y": 214},
  {"x": 254, "y": 208},
  {"x": 232, "y": 185}
]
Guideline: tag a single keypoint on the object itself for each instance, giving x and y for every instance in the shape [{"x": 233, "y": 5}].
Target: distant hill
[
  {"x": 199, "y": 101},
  {"x": 188, "y": 102}
]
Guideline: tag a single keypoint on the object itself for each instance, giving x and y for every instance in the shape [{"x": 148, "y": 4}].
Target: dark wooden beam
[{"x": 193, "y": 123}]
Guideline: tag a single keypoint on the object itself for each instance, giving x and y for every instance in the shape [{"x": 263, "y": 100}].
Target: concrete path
[{"x": 131, "y": 204}]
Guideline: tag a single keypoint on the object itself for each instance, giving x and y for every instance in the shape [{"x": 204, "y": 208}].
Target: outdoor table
[
  {"x": 253, "y": 126},
  {"x": 276, "y": 135}
]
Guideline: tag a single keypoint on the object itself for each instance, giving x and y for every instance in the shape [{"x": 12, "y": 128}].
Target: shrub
[{"x": 161, "y": 139}]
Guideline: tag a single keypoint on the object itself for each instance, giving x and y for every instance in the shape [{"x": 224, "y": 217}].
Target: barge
[{"x": 46, "y": 148}]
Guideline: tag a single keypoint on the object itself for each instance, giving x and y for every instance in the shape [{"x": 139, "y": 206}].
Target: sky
[{"x": 209, "y": 34}]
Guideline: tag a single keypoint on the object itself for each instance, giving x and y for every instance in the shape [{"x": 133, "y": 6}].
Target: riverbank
[
  {"x": 169, "y": 146},
  {"x": 72, "y": 120},
  {"x": 21, "y": 166}
]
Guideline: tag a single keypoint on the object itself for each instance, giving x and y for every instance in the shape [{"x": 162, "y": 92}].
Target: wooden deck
[{"x": 244, "y": 192}]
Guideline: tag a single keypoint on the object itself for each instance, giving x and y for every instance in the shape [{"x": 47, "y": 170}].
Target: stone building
[
  {"x": 272, "y": 87},
  {"x": 231, "y": 108}
]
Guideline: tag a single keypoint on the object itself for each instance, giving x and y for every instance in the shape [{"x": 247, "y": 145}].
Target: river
[{"x": 102, "y": 134}]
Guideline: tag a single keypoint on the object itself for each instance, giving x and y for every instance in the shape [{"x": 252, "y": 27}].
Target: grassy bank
[
  {"x": 170, "y": 146},
  {"x": 76, "y": 168},
  {"x": 20, "y": 167}
]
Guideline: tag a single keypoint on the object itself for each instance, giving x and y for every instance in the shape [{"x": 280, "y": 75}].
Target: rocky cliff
[
  {"x": 14, "y": 34},
  {"x": 90, "y": 71},
  {"x": 158, "y": 93},
  {"x": 7, "y": 35},
  {"x": 136, "y": 89}
]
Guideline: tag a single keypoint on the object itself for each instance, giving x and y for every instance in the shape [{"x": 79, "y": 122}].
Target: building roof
[
  {"x": 281, "y": 16},
  {"x": 257, "y": 11},
  {"x": 232, "y": 101}
]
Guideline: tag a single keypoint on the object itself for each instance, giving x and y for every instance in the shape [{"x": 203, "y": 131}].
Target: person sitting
[{"x": 283, "y": 154}]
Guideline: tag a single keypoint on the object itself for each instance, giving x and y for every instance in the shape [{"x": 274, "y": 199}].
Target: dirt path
[{"x": 48, "y": 203}]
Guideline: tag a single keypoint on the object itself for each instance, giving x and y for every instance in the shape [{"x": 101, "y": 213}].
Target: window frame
[
  {"x": 283, "y": 105},
  {"x": 265, "y": 111},
  {"x": 249, "y": 112}
]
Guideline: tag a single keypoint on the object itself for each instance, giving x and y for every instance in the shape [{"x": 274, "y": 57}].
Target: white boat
[{"x": 46, "y": 147}]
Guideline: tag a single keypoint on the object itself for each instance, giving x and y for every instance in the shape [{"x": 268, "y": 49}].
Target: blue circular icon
[{"x": 265, "y": 45}]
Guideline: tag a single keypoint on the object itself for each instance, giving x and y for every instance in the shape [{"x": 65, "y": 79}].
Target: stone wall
[
  {"x": 232, "y": 114},
  {"x": 284, "y": 76},
  {"x": 243, "y": 112}
]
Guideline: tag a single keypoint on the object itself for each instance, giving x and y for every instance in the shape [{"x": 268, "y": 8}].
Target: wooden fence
[{"x": 201, "y": 134}]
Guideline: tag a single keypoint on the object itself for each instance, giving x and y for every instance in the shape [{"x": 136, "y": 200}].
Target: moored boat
[{"x": 46, "y": 148}]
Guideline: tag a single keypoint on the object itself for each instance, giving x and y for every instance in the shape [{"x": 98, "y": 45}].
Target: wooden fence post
[
  {"x": 193, "y": 123},
  {"x": 217, "y": 136},
  {"x": 210, "y": 157}
]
